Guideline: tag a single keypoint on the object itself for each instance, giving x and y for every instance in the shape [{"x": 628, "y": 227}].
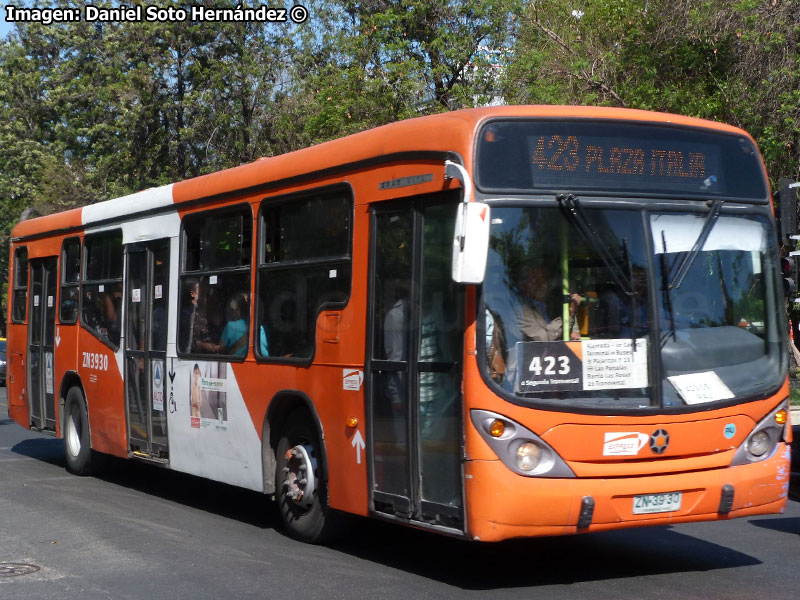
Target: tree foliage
[{"x": 737, "y": 62}]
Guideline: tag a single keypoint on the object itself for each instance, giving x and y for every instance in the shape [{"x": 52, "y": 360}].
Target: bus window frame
[
  {"x": 183, "y": 275},
  {"x": 270, "y": 203},
  {"x": 84, "y": 281},
  {"x": 16, "y": 287},
  {"x": 67, "y": 284}
]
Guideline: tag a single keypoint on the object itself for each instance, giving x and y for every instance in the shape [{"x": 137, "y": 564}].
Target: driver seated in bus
[{"x": 535, "y": 319}]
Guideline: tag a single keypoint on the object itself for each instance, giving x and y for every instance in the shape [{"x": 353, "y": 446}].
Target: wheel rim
[
  {"x": 300, "y": 482},
  {"x": 73, "y": 431}
]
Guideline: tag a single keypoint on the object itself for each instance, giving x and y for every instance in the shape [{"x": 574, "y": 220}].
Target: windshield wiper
[
  {"x": 665, "y": 291},
  {"x": 572, "y": 209},
  {"x": 634, "y": 318},
  {"x": 688, "y": 260}
]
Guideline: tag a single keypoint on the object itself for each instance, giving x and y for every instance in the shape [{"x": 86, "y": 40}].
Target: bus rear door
[
  {"x": 146, "y": 320},
  {"x": 41, "y": 338}
]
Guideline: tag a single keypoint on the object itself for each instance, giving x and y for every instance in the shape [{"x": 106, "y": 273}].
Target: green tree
[
  {"x": 380, "y": 61},
  {"x": 737, "y": 62}
]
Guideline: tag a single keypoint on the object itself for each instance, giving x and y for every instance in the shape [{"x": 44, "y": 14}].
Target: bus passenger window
[
  {"x": 304, "y": 266},
  {"x": 70, "y": 279},
  {"x": 215, "y": 284},
  {"x": 20, "y": 305},
  {"x": 102, "y": 286}
]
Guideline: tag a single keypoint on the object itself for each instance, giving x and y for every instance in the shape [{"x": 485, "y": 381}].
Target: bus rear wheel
[
  {"x": 81, "y": 459},
  {"x": 300, "y": 489}
]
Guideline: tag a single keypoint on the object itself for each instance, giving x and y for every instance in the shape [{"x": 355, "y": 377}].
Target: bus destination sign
[
  {"x": 617, "y": 158},
  {"x": 556, "y": 159},
  {"x": 568, "y": 153}
]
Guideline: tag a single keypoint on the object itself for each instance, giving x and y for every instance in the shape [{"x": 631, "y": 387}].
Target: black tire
[
  {"x": 316, "y": 523},
  {"x": 81, "y": 459}
]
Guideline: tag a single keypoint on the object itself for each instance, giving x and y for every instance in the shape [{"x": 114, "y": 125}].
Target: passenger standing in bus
[
  {"x": 199, "y": 330},
  {"x": 502, "y": 318},
  {"x": 188, "y": 314},
  {"x": 111, "y": 326},
  {"x": 395, "y": 344}
]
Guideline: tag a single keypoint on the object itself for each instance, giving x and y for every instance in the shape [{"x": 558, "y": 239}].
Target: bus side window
[
  {"x": 102, "y": 286},
  {"x": 215, "y": 283},
  {"x": 20, "y": 300},
  {"x": 70, "y": 280},
  {"x": 304, "y": 266}
]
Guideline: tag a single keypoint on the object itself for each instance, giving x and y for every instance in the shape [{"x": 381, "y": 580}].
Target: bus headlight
[
  {"x": 518, "y": 447},
  {"x": 528, "y": 456},
  {"x": 764, "y": 439},
  {"x": 759, "y": 443}
]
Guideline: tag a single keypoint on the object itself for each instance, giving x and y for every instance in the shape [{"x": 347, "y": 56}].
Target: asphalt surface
[{"x": 143, "y": 532}]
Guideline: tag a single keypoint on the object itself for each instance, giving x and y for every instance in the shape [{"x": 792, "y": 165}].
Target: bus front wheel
[
  {"x": 300, "y": 489},
  {"x": 81, "y": 459}
]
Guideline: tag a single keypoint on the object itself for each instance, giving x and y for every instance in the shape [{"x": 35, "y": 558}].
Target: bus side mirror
[
  {"x": 471, "y": 242},
  {"x": 471, "y": 235}
]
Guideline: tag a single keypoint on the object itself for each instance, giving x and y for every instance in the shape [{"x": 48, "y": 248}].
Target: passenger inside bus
[
  {"x": 395, "y": 337},
  {"x": 189, "y": 304},
  {"x": 233, "y": 341},
  {"x": 101, "y": 312},
  {"x": 201, "y": 318}
]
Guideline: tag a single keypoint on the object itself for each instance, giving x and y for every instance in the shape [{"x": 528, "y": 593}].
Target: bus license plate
[{"x": 656, "y": 503}]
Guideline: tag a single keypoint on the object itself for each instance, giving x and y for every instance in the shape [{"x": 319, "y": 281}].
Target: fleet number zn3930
[
  {"x": 96, "y": 361},
  {"x": 657, "y": 503}
]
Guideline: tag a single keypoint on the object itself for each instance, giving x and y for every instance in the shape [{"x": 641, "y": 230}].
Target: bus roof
[{"x": 454, "y": 133}]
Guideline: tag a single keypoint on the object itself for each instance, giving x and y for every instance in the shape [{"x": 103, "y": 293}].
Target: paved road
[{"x": 142, "y": 532}]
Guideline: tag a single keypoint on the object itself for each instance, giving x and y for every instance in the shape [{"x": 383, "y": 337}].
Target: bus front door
[
  {"x": 41, "y": 338},
  {"x": 146, "y": 319},
  {"x": 413, "y": 374}
]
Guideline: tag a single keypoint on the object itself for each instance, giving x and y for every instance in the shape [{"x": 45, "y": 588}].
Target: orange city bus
[{"x": 491, "y": 323}]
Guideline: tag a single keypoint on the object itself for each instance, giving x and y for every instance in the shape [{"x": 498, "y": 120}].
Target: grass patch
[{"x": 794, "y": 396}]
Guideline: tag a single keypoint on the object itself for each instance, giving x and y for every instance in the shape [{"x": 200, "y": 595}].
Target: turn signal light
[
  {"x": 352, "y": 421},
  {"x": 780, "y": 417},
  {"x": 497, "y": 428}
]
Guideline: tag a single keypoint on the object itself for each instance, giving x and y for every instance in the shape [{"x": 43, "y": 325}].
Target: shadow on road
[
  {"x": 46, "y": 449},
  {"x": 786, "y": 525},
  {"x": 539, "y": 561},
  {"x": 218, "y": 498},
  {"x": 467, "y": 565},
  {"x": 221, "y": 499}
]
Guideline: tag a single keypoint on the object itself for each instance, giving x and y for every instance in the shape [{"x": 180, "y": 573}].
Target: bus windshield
[{"x": 578, "y": 309}]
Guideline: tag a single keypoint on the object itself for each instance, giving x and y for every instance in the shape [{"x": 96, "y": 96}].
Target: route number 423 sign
[{"x": 583, "y": 365}]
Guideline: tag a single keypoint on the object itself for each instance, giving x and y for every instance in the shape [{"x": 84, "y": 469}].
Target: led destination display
[{"x": 580, "y": 156}]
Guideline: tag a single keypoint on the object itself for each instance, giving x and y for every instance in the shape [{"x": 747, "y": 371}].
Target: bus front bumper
[{"x": 503, "y": 505}]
